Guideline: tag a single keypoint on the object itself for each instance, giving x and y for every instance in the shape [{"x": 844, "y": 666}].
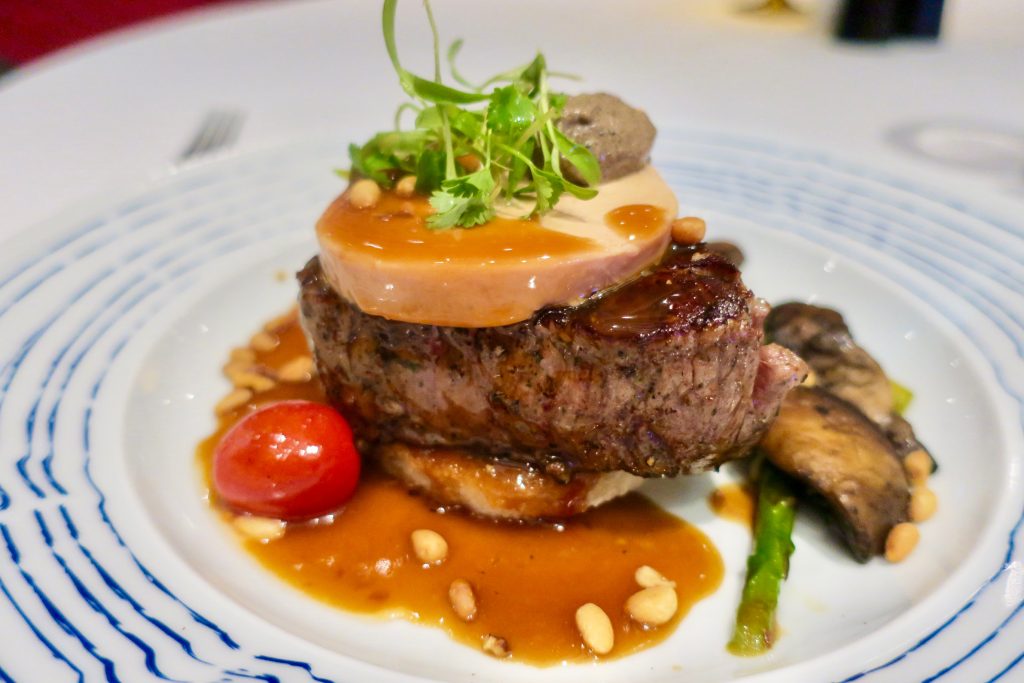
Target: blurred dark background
[{"x": 30, "y": 29}]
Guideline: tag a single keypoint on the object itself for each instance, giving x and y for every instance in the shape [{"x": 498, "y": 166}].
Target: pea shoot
[{"x": 472, "y": 147}]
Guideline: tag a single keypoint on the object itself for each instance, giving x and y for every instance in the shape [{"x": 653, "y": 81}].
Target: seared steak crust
[{"x": 662, "y": 376}]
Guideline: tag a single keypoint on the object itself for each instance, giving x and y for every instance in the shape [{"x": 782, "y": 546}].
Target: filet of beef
[{"x": 664, "y": 375}]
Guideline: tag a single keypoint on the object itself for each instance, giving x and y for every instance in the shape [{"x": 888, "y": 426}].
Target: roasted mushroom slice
[
  {"x": 820, "y": 336},
  {"x": 829, "y": 445},
  {"x": 903, "y": 438},
  {"x": 727, "y": 250}
]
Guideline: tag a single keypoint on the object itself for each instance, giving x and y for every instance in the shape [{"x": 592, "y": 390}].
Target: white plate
[{"x": 117, "y": 315}]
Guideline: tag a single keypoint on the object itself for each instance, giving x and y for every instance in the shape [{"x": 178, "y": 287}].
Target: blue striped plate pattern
[{"x": 100, "y": 582}]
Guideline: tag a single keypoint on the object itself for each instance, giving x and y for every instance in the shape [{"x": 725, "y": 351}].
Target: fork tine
[
  {"x": 233, "y": 128},
  {"x": 210, "y": 132},
  {"x": 198, "y": 140},
  {"x": 219, "y": 128},
  {"x": 214, "y": 130}
]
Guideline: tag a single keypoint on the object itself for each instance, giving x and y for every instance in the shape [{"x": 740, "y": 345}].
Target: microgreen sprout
[{"x": 474, "y": 146}]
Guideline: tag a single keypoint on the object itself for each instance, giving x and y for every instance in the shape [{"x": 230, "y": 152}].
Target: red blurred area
[{"x": 31, "y": 28}]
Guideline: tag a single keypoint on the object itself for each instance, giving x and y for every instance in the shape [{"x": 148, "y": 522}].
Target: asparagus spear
[
  {"x": 767, "y": 565},
  {"x": 901, "y": 397}
]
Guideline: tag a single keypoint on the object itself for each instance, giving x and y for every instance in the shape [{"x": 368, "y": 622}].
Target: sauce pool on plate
[
  {"x": 734, "y": 502},
  {"x": 528, "y": 579}
]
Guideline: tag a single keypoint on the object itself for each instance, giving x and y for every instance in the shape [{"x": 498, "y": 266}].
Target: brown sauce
[
  {"x": 680, "y": 293},
  {"x": 734, "y": 502},
  {"x": 636, "y": 221},
  {"x": 396, "y": 229},
  {"x": 529, "y": 579}
]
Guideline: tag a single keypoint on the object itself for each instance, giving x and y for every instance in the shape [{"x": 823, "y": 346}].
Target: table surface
[{"x": 110, "y": 111}]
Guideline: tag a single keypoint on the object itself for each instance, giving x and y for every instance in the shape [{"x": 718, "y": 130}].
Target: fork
[{"x": 219, "y": 129}]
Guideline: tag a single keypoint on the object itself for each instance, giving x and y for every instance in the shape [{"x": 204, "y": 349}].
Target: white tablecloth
[{"x": 121, "y": 108}]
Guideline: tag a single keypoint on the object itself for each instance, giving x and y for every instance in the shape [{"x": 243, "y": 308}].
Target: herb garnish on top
[{"x": 466, "y": 159}]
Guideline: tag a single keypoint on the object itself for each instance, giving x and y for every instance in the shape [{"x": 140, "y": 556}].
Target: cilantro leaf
[
  {"x": 464, "y": 201},
  {"x": 549, "y": 188},
  {"x": 510, "y": 112}
]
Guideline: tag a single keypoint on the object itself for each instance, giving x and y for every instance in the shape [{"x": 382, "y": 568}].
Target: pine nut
[
  {"x": 245, "y": 379},
  {"x": 364, "y": 194},
  {"x": 918, "y": 466},
  {"x": 264, "y": 341},
  {"x": 280, "y": 322},
  {"x": 243, "y": 355},
  {"x": 233, "y": 367},
  {"x": 296, "y": 370},
  {"x": 495, "y": 646},
  {"x": 429, "y": 546},
  {"x": 236, "y": 399},
  {"x": 259, "y": 528},
  {"x": 648, "y": 577},
  {"x": 901, "y": 541},
  {"x": 406, "y": 187},
  {"x": 460, "y": 595},
  {"x": 653, "y": 606},
  {"x": 595, "y": 628},
  {"x": 470, "y": 162},
  {"x": 688, "y": 230},
  {"x": 923, "y": 503},
  {"x": 811, "y": 379}
]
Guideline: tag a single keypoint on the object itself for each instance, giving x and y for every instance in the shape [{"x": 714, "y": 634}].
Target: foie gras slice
[{"x": 389, "y": 263}]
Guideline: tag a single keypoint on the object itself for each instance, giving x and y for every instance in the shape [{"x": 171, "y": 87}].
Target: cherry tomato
[{"x": 291, "y": 460}]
